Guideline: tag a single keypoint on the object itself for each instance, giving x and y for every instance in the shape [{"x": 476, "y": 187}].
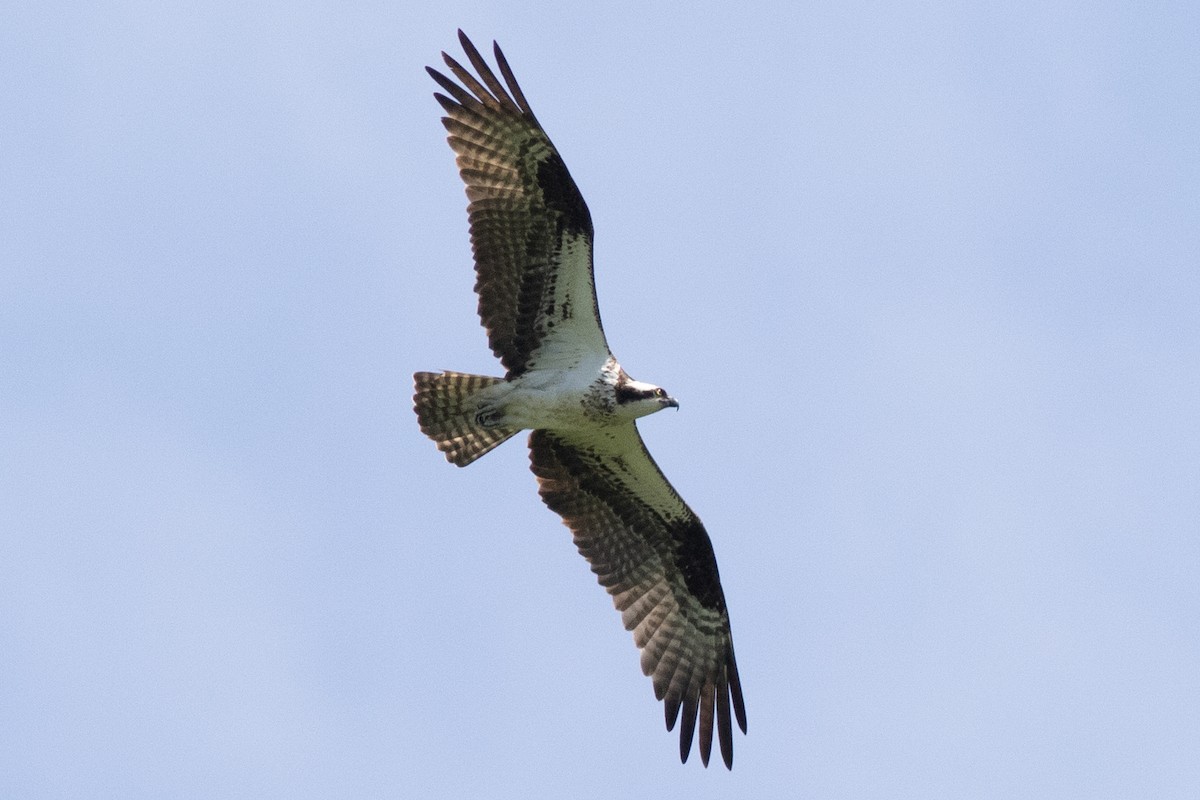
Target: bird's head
[{"x": 636, "y": 399}]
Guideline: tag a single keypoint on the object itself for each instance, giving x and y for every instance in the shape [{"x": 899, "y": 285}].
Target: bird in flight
[{"x": 531, "y": 234}]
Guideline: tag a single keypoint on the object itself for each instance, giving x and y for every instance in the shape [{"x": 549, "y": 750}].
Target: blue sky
[{"x": 924, "y": 279}]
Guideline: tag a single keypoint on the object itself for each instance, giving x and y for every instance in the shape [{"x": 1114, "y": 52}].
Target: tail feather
[{"x": 446, "y": 410}]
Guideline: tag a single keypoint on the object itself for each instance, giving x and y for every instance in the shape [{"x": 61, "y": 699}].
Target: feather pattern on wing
[
  {"x": 531, "y": 231},
  {"x": 652, "y": 554}
]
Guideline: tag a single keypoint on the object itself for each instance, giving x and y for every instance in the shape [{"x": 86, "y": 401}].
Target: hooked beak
[{"x": 671, "y": 402}]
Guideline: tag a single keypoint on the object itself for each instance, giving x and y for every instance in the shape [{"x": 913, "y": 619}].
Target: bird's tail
[{"x": 446, "y": 409}]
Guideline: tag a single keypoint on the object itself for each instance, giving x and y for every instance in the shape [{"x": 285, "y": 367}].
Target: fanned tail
[{"x": 444, "y": 402}]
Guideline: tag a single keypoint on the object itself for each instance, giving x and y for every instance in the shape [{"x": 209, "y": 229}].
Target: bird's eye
[{"x": 660, "y": 392}]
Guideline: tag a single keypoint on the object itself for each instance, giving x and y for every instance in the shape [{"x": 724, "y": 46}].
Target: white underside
[{"x": 550, "y": 398}]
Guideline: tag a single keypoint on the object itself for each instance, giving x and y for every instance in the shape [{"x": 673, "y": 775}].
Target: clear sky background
[{"x": 925, "y": 278}]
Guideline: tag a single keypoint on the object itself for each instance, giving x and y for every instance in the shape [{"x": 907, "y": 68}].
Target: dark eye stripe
[{"x": 626, "y": 394}]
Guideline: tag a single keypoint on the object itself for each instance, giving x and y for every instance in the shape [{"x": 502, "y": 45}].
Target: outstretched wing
[
  {"x": 652, "y": 554},
  {"x": 530, "y": 229}
]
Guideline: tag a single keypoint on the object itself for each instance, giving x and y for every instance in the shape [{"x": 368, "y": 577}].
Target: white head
[{"x": 636, "y": 399}]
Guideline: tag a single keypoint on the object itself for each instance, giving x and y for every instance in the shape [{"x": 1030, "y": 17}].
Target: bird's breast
[{"x": 561, "y": 401}]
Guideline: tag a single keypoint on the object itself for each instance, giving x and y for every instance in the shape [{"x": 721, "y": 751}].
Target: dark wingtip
[
  {"x": 735, "y": 688},
  {"x": 438, "y": 77},
  {"x": 687, "y": 728},
  {"x": 671, "y": 711},
  {"x": 465, "y": 41},
  {"x": 724, "y": 727}
]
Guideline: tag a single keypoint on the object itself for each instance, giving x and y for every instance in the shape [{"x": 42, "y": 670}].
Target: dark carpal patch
[
  {"x": 562, "y": 195},
  {"x": 695, "y": 560}
]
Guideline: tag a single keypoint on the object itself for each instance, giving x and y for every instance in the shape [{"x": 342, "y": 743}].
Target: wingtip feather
[
  {"x": 724, "y": 727},
  {"x": 687, "y": 729}
]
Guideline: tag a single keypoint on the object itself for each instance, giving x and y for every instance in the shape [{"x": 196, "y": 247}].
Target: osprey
[{"x": 532, "y": 238}]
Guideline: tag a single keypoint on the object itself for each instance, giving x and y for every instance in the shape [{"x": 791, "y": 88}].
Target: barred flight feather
[{"x": 446, "y": 412}]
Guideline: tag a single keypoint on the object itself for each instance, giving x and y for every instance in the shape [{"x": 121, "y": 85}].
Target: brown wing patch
[
  {"x": 524, "y": 206},
  {"x": 654, "y": 557}
]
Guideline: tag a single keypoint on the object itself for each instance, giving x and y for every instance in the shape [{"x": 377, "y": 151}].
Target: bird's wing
[
  {"x": 531, "y": 231},
  {"x": 652, "y": 554}
]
